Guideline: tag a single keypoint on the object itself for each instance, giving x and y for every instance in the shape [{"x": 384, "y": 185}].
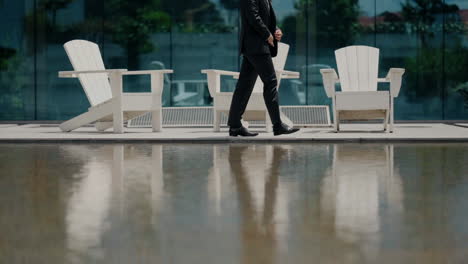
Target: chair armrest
[
  {"x": 75, "y": 74},
  {"x": 157, "y": 78},
  {"x": 214, "y": 79},
  {"x": 220, "y": 72},
  {"x": 330, "y": 78},
  {"x": 284, "y": 74},
  {"x": 394, "y": 77},
  {"x": 147, "y": 72},
  {"x": 289, "y": 74}
]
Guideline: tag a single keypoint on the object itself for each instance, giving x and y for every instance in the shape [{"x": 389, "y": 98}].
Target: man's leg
[
  {"x": 263, "y": 65},
  {"x": 241, "y": 96}
]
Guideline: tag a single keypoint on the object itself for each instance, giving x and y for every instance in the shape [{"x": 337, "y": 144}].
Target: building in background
[{"x": 427, "y": 38}]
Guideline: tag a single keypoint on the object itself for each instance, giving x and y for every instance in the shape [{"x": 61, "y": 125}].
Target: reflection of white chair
[
  {"x": 359, "y": 99},
  {"x": 90, "y": 202},
  {"x": 256, "y": 109},
  {"x": 217, "y": 181},
  {"x": 362, "y": 180},
  {"x": 98, "y": 198},
  {"x": 110, "y": 106}
]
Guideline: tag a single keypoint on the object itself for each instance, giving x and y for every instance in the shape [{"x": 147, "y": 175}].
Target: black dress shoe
[
  {"x": 241, "y": 131},
  {"x": 283, "y": 129}
]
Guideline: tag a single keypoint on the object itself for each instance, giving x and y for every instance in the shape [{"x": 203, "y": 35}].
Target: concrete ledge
[{"x": 420, "y": 132}]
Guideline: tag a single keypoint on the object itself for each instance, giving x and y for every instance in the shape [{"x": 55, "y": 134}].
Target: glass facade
[{"x": 427, "y": 38}]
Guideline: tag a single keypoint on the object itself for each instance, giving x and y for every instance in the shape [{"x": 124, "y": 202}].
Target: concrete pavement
[{"x": 350, "y": 133}]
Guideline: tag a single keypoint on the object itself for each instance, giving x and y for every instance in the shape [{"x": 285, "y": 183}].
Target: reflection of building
[
  {"x": 392, "y": 17},
  {"x": 464, "y": 16},
  {"x": 362, "y": 180}
]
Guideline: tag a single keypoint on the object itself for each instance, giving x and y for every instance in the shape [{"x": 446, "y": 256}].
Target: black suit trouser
[{"x": 252, "y": 67}]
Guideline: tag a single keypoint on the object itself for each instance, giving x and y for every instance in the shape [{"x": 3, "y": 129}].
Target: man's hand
[
  {"x": 278, "y": 34},
  {"x": 270, "y": 40}
]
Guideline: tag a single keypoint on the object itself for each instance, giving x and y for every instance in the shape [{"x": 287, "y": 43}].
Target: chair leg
[
  {"x": 216, "y": 121},
  {"x": 386, "y": 120},
  {"x": 336, "y": 125},
  {"x": 336, "y": 118},
  {"x": 117, "y": 103},
  {"x": 391, "y": 124},
  {"x": 156, "y": 120},
  {"x": 392, "y": 107},
  {"x": 85, "y": 119},
  {"x": 268, "y": 124},
  {"x": 118, "y": 122}
]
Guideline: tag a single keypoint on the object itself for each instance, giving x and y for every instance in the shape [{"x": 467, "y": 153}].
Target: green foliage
[
  {"x": 136, "y": 28},
  {"x": 230, "y": 4},
  {"x": 128, "y": 23},
  {"x": 131, "y": 24},
  {"x": 336, "y": 21},
  {"x": 462, "y": 89},
  {"x": 44, "y": 20},
  {"x": 456, "y": 65},
  {"x": 53, "y": 5},
  {"x": 425, "y": 70},
  {"x": 392, "y": 23},
  {"x": 13, "y": 82},
  {"x": 195, "y": 16},
  {"x": 48, "y": 10},
  {"x": 422, "y": 16},
  {"x": 5, "y": 55},
  {"x": 423, "y": 73},
  {"x": 423, "y": 12}
]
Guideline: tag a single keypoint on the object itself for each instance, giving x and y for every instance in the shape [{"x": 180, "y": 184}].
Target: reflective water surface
[{"x": 342, "y": 203}]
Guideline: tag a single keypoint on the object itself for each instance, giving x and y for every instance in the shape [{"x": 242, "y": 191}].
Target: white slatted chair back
[
  {"x": 85, "y": 56},
  {"x": 279, "y": 62},
  {"x": 358, "y": 68}
]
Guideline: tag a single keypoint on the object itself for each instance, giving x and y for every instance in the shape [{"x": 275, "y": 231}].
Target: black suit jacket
[{"x": 258, "y": 21}]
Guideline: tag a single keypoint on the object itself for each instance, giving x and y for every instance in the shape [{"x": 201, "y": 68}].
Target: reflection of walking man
[
  {"x": 258, "y": 46},
  {"x": 259, "y": 230}
]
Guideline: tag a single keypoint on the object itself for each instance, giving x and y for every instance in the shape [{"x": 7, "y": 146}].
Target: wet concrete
[{"x": 296, "y": 203}]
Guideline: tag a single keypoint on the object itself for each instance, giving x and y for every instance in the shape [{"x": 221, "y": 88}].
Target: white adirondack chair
[
  {"x": 256, "y": 109},
  {"x": 110, "y": 106},
  {"x": 359, "y": 99}
]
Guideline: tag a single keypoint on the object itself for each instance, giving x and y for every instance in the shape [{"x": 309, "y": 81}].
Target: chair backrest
[
  {"x": 85, "y": 56},
  {"x": 279, "y": 63},
  {"x": 358, "y": 68}
]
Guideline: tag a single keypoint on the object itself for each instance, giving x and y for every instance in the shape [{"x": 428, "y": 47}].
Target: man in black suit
[{"x": 258, "y": 46}]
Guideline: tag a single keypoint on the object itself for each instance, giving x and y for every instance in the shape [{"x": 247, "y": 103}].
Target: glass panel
[
  {"x": 410, "y": 36},
  {"x": 205, "y": 36},
  {"x": 334, "y": 25},
  {"x": 427, "y": 38},
  {"x": 456, "y": 60},
  {"x": 293, "y": 22},
  {"x": 137, "y": 37},
  {"x": 59, "y": 21},
  {"x": 17, "y": 60}
]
